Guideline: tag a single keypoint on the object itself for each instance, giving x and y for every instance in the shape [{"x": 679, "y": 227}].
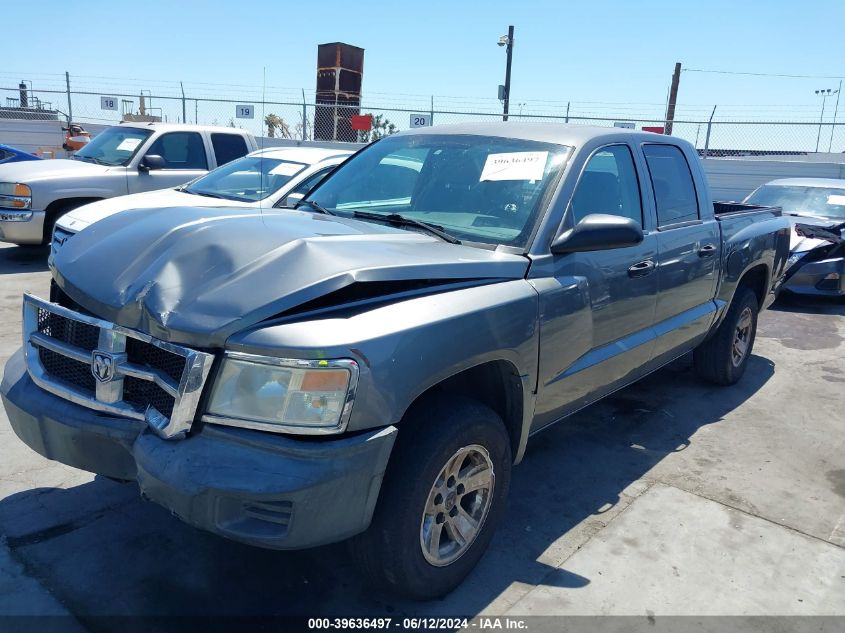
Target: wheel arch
[
  {"x": 756, "y": 279},
  {"x": 498, "y": 385}
]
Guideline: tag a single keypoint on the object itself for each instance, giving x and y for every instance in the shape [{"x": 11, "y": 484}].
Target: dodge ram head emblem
[{"x": 102, "y": 366}]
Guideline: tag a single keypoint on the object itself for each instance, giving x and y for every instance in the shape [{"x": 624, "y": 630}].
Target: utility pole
[
  {"x": 69, "y": 104},
  {"x": 507, "y": 42},
  {"x": 184, "y": 116},
  {"x": 707, "y": 138},
  {"x": 673, "y": 99}
]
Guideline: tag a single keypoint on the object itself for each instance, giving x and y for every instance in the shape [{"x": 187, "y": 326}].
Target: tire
[
  {"x": 438, "y": 432},
  {"x": 723, "y": 357}
]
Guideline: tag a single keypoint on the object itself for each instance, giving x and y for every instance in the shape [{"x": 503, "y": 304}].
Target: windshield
[
  {"x": 477, "y": 188},
  {"x": 113, "y": 146},
  {"x": 247, "y": 179},
  {"x": 826, "y": 202}
]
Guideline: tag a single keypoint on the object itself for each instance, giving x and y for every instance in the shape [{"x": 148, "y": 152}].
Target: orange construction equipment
[{"x": 75, "y": 137}]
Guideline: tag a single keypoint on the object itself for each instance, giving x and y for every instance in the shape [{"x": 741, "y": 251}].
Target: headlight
[
  {"x": 15, "y": 195},
  {"x": 282, "y": 395},
  {"x": 793, "y": 259}
]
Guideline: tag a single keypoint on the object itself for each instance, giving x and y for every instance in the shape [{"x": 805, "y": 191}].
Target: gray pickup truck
[{"x": 372, "y": 364}]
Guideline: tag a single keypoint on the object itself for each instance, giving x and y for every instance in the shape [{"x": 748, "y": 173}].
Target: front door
[
  {"x": 184, "y": 158},
  {"x": 588, "y": 352}
]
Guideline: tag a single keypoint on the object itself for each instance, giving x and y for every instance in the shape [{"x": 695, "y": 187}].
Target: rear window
[
  {"x": 228, "y": 147},
  {"x": 671, "y": 179}
]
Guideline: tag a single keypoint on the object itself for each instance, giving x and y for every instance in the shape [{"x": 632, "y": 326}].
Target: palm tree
[{"x": 273, "y": 123}]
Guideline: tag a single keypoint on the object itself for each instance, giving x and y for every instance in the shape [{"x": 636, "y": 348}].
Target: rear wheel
[
  {"x": 442, "y": 496},
  {"x": 723, "y": 357}
]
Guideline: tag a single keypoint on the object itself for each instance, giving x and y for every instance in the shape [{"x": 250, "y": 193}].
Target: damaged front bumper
[
  {"x": 265, "y": 490},
  {"x": 825, "y": 277}
]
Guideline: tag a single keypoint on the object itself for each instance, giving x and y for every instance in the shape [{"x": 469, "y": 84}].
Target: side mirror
[
  {"x": 290, "y": 200},
  {"x": 598, "y": 232},
  {"x": 151, "y": 161}
]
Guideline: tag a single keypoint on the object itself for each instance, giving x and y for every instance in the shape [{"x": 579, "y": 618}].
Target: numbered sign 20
[
  {"x": 244, "y": 112},
  {"x": 420, "y": 120},
  {"x": 108, "y": 103}
]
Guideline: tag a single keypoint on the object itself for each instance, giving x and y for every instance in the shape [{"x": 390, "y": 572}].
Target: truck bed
[{"x": 722, "y": 209}]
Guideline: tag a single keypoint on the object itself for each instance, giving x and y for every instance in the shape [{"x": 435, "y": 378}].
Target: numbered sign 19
[
  {"x": 244, "y": 112},
  {"x": 420, "y": 120},
  {"x": 108, "y": 103}
]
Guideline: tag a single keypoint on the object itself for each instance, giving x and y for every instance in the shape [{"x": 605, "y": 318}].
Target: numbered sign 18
[
  {"x": 244, "y": 112},
  {"x": 108, "y": 103},
  {"x": 420, "y": 120}
]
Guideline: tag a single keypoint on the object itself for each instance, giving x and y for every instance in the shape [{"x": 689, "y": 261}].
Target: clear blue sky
[{"x": 618, "y": 53}]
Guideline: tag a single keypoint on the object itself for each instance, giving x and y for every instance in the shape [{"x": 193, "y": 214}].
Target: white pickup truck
[{"x": 127, "y": 158}]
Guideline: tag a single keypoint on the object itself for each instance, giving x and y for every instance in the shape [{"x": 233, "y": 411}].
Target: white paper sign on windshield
[
  {"x": 285, "y": 169},
  {"x": 515, "y": 166},
  {"x": 836, "y": 199},
  {"x": 128, "y": 144}
]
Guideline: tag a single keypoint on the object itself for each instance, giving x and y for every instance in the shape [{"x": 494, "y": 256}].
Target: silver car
[{"x": 816, "y": 266}]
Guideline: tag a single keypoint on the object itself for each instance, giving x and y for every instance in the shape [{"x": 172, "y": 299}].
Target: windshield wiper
[
  {"x": 207, "y": 194},
  {"x": 395, "y": 218},
  {"x": 314, "y": 205}
]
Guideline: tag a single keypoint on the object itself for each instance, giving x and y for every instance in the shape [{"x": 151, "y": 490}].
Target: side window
[
  {"x": 181, "y": 150},
  {"x": 228, "y": 147},
  {"x": 609, "y": 185},
  {"x": 309, "y": 183},
  {"x": 671, "y": 179}
]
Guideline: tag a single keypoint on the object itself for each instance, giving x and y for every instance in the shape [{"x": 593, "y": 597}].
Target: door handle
[
  {"x": 641, "y": 269},
  {"x": 707, "y": 251}
]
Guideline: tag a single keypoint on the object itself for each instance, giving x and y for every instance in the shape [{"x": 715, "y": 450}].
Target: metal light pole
[
  {"x": 835, "y": 113},
  {"x": 825, "y": 93},
  {"x": 507, "y": 42}
]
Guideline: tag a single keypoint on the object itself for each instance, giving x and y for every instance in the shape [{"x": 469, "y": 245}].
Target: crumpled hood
[
  {"x": 32, "y": 171},
  {"x": 801, "y": 244},
  {"x": 197, "y": 276}
]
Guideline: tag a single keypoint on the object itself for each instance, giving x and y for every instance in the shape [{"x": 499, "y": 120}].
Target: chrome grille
[{"x": 110, "y": 368}]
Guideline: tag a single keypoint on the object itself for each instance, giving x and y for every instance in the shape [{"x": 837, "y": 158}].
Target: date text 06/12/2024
[{"x": 413, "y": 624}]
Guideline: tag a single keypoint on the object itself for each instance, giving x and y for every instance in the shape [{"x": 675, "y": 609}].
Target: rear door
[
  {"x": 688, "y": 244},
  {"x": 185, "y": 158},
  {"x": 228, "y": 147}
]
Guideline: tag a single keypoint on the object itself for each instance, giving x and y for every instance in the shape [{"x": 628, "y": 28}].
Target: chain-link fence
[{"x": 303, "y": 118}]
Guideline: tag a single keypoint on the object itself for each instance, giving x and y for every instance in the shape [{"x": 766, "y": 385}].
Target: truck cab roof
[
  {"x": 177, "y": 127},
  {"x": 558, "y": 133}
]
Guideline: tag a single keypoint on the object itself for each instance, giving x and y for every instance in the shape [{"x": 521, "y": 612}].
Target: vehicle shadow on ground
[
  {"x": 23, "y": 259},
  {"x": 130, "y": 557}
]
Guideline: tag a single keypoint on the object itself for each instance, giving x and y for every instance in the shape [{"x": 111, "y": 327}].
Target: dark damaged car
[
  {"x": 371, "y": 365},
  {"x": 816, "y": 209}
]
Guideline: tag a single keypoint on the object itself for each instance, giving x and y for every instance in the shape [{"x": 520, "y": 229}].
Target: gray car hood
[
  {"x": 802, "y": 244},
  {"x": 197, "y": 276}
]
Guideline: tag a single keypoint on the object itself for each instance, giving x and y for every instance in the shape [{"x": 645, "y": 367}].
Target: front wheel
[
  {"x": 442, "y": 496},
  {"x": 723, "y": 357}
]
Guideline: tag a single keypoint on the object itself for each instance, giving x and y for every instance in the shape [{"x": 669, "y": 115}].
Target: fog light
[{"x": 830, "y": 282}]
